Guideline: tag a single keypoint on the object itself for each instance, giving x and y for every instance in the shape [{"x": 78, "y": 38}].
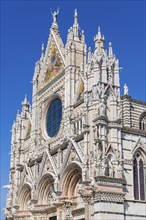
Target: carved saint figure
[
  {"x": 52, "y": 195},
  {"x": 103, "y": 107}
]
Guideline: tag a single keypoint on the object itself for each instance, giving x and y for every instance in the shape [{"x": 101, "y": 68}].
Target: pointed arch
[
  {"x": 139, "y": 184},
  {"x": 111, "y": 150},
  {"x": 142, "y": 121},
  {"x": 139, "y": 146},
  {"x": 109, "y": 89}
]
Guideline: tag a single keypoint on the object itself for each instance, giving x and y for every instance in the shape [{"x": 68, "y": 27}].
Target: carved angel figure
[{"x": 55, "y": 13}]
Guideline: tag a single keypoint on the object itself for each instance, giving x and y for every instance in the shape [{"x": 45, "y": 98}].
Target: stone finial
[
  {"x": 76, "y": 16},
  {"x": 82, "y": 35},
  {"x": 110, "y": 53},
  {"x": 125, "y": 89},
  {"x": 99, "y": 34},
  {"x": 25, "y": 104}
]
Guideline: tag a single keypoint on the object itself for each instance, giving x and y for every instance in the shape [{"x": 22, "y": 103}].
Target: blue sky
[{"x": 25, "y": 26}]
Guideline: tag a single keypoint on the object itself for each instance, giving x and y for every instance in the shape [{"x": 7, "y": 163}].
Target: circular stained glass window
[{"x": 54, "y": 117}]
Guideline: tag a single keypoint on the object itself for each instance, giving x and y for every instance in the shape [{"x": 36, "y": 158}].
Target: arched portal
[
  {"x": 25, "y": 197},
  {"x": 46, "y": 190},
  {"x": 71, "y": 180}
]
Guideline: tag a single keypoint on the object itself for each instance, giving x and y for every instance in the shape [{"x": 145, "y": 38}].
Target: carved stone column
[
  {"x": 87, "y": 193},
  {"x": 87, "y": 200},
  {"x": 68, "y": 205}
]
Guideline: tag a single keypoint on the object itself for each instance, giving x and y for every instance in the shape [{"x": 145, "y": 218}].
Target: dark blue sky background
[{"x": 25, "y": 26}]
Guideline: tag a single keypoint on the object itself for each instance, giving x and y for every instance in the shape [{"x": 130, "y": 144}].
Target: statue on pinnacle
[{"x": 54, "y": 14}]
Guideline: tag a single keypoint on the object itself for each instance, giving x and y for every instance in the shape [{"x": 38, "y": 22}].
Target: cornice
[
  {"x": 133, "y": 131},
  {"x": 133, "y": 100}
]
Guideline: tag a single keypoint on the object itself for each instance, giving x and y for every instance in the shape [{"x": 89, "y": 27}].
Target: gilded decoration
[
  {"x": 80, "y": 89},
  {"x": 55, "y": 64}
]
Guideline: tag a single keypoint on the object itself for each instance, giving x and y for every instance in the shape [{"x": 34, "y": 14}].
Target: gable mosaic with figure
[{"x": 55, "y": 65}]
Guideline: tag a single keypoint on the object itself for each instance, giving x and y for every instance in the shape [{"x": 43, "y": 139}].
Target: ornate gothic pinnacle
[
  {"x": 110, "y": 53},
  {"x": 25, "y": 102},
  {"x": 99, "y": 42},
  {"x": 76, "y": 25},
  {"x": 98, "y": 36}
]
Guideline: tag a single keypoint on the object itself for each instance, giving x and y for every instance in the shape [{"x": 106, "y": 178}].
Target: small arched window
[
  {"x": 138, "y": 177},
  {"x": 142, "y": 121}
]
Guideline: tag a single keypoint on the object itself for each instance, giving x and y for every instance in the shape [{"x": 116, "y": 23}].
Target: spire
[
  {"x": 76, "y": 25},
  {"x": 99, "y": 42},
  {"x": 25, "y": 105},
  {"x": 55, "y": 14},
  {"x": 110, "y": 53}
]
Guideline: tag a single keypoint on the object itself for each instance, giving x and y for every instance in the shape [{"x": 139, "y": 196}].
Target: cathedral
[{"x": 79, "y": 152}]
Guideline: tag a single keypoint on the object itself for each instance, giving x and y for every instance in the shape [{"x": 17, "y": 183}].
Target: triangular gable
[
  {"x": 74, "y": 153},
  {"x": 111, "y": 150},
  {"x": 26, "y": 176},
  {"x": 54, "y": 57},
  {"x": 109, "y": 89}
]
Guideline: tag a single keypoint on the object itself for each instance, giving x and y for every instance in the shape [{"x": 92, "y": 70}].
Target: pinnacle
[
  {"x": 25, "y": 102},
  {"x": 76, "y": 16},
  {"x": 99, "y": 34},
  {"x": 110, "y": 50}
]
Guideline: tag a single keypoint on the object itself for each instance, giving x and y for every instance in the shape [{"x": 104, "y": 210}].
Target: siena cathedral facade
[{"x": 79, "y": 153}]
